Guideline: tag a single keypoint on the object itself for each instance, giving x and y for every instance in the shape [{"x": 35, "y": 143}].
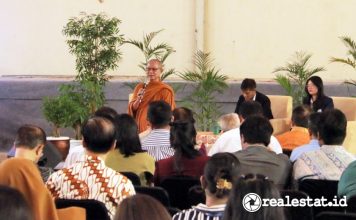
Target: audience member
[
  {"x": 140, "y": 207},
  {"x": 229, "y": 140},
  {"x": 315, "y": 96},
  {"x": 183, "y": 114},
  {"x": 256, "y": 158},
  {"x": 91, "y": 178},
  {"x": 186, "y": 159},
  {"x": 26, "y": 178},
  {"x": 331, "y": 159},
  {"x": 145, "y": 93},
  {"x": 250, "y": 108},
  {"x": 298, "y": 135},
  {"x": 220, "y": 172},
  {"x": 13, "y": 205},
  {"x": 77, "y": 153},
  {"x": 156, "y": 143},
  {"x": 249, "y": 93},
  {"x": 314, "y": 119},
  {"x": 128, "y": 155},
  {"x": 29, "y": 144},
  {"x": 259, "y": 185},
  {"x": 347, "y": 182}
]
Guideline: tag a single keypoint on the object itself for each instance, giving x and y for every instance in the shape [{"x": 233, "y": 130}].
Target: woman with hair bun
[
  {"x": 315, "y": 97},
  {"x": 219, "y": 174},
  {"x": 186, "y": 160}
]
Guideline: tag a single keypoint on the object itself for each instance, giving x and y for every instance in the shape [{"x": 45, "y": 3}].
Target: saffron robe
[{"x": 154, "y": 91}]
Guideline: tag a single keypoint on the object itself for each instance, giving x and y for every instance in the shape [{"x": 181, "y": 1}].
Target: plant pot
[{"x": 62, "y": 144}]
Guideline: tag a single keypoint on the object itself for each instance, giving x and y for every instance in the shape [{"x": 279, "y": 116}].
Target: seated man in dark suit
[
  {"x": 256, "y": 158},
  {"x": 249, "y": 93}
]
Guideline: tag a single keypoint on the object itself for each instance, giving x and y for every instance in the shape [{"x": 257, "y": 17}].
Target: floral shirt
[{"x": 89, "y": 178}]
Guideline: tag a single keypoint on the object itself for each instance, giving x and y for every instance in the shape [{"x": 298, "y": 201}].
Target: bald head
[{"x": 154, "y": 70}]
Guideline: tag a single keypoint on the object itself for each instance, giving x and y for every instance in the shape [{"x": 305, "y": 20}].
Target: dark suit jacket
[
  {"x": 322, "y": 103},
  {"x": 259, "y": 160},
  {"x": 262, "y": 99}
]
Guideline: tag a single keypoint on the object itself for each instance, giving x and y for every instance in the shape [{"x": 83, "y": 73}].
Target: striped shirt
[
  {"x": 157, "y": 144},
  {"x": 201, "y": 212}
]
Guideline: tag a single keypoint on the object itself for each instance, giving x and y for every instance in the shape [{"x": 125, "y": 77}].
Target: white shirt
[
  {"x": 275, "y": 146},
  {"x": 228, "y": 141}
]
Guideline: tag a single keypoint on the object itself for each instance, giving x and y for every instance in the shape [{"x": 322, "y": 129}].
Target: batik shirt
[{"x": 89, "y": 178}]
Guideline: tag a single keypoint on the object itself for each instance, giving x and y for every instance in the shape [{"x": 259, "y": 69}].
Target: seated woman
[
  {"x": 23, "y": 175},
  {"x": 239, "y": 207},
  {"x": 315, "y": 97},
  {"x": 13, "y": 205},
  {"x": 186, "y": 159},
  {"x": 128, "y": 155},
  {"x": 219, "y": 174}
]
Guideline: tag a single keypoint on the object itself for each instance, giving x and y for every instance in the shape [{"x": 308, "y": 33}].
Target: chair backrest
[
  {"x": 347, "y": 105},
  {"x": 178, "y": 188},
  {"x": 335, "y": 216},
  {"x": 281, "y": 106},
  {"x": 156, "y": 192},
  {"x": 316, "y": 188},
  {"x": 350, "y": 140},
  {"x": 94, "y": 209},
  {"x": 296, "y": 213},
  {"x": 133, "y": 177}
]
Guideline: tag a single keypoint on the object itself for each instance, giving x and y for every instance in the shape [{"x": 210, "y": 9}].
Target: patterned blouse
[{"x": 91, "y": 179}]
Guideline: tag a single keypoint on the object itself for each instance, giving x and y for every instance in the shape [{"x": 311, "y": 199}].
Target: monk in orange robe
[{"x": 145, "y": 93}]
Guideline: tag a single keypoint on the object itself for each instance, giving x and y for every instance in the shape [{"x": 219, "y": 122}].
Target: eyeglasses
[{"x": 153, "y": 69}]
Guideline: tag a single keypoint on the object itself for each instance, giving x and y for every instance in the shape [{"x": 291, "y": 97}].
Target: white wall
[{"x": 247, "y": 38}]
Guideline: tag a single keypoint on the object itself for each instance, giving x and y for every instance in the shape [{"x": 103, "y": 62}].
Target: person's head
[
  {"x": 127, "y": 139},
  {"x": 220, "y": 172},
  {"x": 300, "y": 116},
  {"x": 313, "y": 122},
  {"x": 106, "y": 112},
  {"x": 314, "y": 87},
  {"x": 249, "y": 108},
  {"x": 98, "y": 135},
  {"x": 13, "y": 205},
  {"x": 255, "y": 130},
  {"x": 259, "y": 185},
  {"x": 141, "y": 206},
  {"x": 154, "y": 70},
  {"x": 182, "y": 138},
  {"x": 248, "y": 88},
  {"x": 229, "y": 121},
  {"x": 159, "y": 114},
  {"x": 30, "y": 141},
  {"x": 332, "y": 127},
  {"x": 183, "y": 114}
]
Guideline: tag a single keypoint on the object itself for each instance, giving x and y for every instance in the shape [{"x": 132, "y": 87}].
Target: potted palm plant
[
  {"x": 296, "y": 74},
  {"x": 95, "y": 41},
  {"x": 350, "y": 60},
  {"x": 207, "y": 81}
]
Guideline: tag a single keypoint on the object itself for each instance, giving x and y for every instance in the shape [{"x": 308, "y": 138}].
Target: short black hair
[
  {"x": 249, "y": 108},
  {"x": 30, "y": 136},
  {"x": 332, "y": 127},
  {"x": 13, "y": 204},
  {"x": 106, "y": 112},
  {"x": 159, "y": 114},
  {"x": 127, "y": 139},
  {"x": 98, "y": 134},
  {"x": 256, "y": 129},
  {"x": 248, "y": 84},
  {"x": 300, "y": 115},
  {"x": 313, "y": 122}
]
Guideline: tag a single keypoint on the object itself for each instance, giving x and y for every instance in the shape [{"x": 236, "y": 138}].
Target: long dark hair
[
  {"x": 127, "y": 139},
  {"x": 182, "y": 139},
  {"x": 259, "y": 185},
  {"x": 318, "y": 82},
  {"x": 13, "y": 205},
  {"x": 221, "y": 170}
]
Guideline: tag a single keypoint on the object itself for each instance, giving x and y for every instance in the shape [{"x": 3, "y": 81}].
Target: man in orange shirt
[
  {"x": 298, "y": 135},
  {"x": 145, "y": 93}
]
